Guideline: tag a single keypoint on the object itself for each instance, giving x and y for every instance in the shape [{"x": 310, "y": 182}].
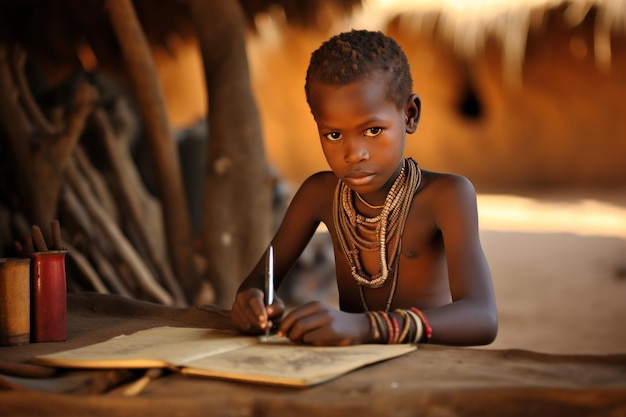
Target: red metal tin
[{"x": 48, "y": 296}]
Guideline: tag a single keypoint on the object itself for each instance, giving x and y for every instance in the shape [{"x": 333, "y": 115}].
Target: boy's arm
[
  {"x": 298, "y": 226},
  {"x": 471, "y": 318}
]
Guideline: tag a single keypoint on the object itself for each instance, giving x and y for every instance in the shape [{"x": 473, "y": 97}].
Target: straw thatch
[
  {"x": 53, "y": 29},
  {"x": 543, "y": 80},
  {"x": 469, "y": 26}
]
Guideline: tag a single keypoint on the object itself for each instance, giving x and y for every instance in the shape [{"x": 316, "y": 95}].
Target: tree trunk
[
  {"x": 145, "y": 83},
  {"x": 39, "y": 166},
  {"x": 236, "y": 202}
]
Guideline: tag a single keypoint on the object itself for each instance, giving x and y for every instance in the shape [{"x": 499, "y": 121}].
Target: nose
[{"x": 355, "y": 150}]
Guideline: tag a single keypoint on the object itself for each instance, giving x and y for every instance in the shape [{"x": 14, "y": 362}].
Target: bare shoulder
[
  {"x": 448, "y": 186},
  {"x": 450, "y": 197},
  {"x": 315, "y": 195},
  {"x": 324, "y": 179},
  {"x": 319, "y": 185}
]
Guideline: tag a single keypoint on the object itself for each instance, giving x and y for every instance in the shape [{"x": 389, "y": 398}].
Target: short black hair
[{"x": 348, "y": 56}]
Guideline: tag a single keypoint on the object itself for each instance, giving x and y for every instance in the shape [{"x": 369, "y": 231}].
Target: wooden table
[{"x": 433, "y": 381}]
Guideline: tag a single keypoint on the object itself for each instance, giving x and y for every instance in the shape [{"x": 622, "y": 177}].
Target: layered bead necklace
[{"x": 358, "y": 233}]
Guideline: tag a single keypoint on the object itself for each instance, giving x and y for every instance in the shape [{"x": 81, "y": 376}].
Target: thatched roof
[
  {"x": 50, "y": 28},
  {"x": 298, "y": 12},
  {"x": 469, "y": 25},
  {"x": 53, "y": 28}
]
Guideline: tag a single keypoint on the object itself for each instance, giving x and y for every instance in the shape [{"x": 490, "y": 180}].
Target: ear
[{"x": 412, "y": 113}]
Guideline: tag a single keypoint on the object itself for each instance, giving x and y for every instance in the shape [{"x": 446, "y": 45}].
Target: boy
[{"x": 410, "y": 267}]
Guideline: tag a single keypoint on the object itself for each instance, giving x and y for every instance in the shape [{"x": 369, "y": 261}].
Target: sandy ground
[
  {"x": 559, "y": 270},
  {"x": 558, "y": 263}
]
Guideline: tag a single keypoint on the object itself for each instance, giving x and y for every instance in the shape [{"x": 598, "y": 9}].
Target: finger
[
  {"x": 315, "y": 337},
  {"x": 301, "y": 321},
  {"x": 244, "y": 321},
  {"x": 253, "y": 298},
  {"x": 249, "y": 310},
  {"x": 239, "y": 320},
  {"x": 276, "y": 309},
  {"x": 300, "y": 312},
  {"x": 303, "y": 329},
  {"x": 262, "y": 313}
]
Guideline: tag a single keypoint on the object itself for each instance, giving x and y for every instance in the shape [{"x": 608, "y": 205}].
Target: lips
[{"x": 359, "y": 178}]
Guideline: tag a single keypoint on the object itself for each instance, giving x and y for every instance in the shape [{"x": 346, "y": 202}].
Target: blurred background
[
  {"x": 524, "y": 97},
  {"x": 517, "y": 93}
]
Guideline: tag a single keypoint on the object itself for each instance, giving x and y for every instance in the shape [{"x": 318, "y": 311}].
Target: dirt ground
[
  {"x": 559, "y": 270},
  {"x": 558, "y": 262}
]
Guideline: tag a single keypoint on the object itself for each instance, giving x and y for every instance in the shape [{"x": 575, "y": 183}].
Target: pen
[
  {"x": 269, "y": 283},
  {"x": 136, "y": 387}
]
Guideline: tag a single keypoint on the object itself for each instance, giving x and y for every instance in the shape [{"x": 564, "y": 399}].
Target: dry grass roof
[{"x": 468, "y": 24}]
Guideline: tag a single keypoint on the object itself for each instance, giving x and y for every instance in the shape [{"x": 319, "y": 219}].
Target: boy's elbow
[{"x": 489, "y": 328}]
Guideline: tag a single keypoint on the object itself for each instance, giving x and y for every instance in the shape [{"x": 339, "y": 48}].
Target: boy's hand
[
  {"x": 316, "y": 323},
  {"x": 249, "y": 313}
]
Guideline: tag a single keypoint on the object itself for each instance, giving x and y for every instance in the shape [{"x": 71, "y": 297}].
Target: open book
[{"x": 215, "y": 353}]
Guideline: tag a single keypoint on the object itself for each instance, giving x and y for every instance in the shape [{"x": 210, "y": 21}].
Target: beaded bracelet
[
  {"x": 387, "y": 320},
  {"x": 396, "y": 330},
  {"x": 374, "y": 331},
  {"x": 419, "y": 326},
  {"x": 384, "y": 330},
  {"x": 407, "y": 324},
  {"x": 387, "y": 328},
  {"x": 428, "y": 330}
]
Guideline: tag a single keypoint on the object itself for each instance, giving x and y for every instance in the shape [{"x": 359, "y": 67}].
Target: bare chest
[{"x": 417, "y": 274}]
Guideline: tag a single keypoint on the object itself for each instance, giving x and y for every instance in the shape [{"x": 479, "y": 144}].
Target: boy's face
[{"x": 362, "y": 131}]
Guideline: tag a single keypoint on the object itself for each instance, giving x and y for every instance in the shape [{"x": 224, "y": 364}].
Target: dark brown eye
[
  {"x": 333, "y": 136},
  {"x": 373, "y": 131}
]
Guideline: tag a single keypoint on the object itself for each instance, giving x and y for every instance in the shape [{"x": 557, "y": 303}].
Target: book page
[
  {"x": 284, "y": 363},
  {"x": 224, "y": 354},
  {"x": 156, "y": 347}
]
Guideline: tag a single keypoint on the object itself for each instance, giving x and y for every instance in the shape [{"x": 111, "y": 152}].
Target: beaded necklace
[
  {"x": 362, "y": 200},
  {"x": 358, "y": 233}
]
